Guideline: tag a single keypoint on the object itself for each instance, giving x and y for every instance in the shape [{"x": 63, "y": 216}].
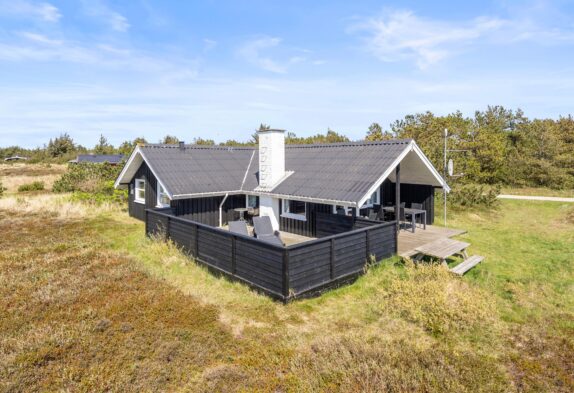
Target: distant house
[
  {"x": 16, "y": 158},
  {"x": 113, "y": 159}
]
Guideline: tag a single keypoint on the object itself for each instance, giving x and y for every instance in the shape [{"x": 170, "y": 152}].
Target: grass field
[{"x": 90, "y": 304}]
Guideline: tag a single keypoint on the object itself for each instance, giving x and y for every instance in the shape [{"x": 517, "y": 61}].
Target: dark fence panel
[
  {"x": 332, "y": 224},
  {"x": 215, "y": 248},
  {"x": 310, "y": 266},
  {"x": 350, "y": 253},
  {"x": 261, "y": 265},
  {"x": 281, "y": 272}
]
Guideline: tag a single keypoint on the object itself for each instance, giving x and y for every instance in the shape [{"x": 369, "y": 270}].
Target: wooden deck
[
  {"x": 287, "y": 237},
  {"x": 408, "y": 241}
]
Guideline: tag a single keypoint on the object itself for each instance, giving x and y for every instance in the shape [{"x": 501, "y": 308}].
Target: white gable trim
[
  {"x": 412, "y": 146},
  {"x": 135, "y": 153}
]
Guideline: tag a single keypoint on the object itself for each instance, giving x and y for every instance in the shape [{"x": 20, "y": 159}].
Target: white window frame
[
  {"x": 296, "y": 216},
  {"x": 139, "y": 185},
  {"x": 377, "y": 201},
  {"x": 247, "y": 200},
  {"x": 161, "y": 192}
]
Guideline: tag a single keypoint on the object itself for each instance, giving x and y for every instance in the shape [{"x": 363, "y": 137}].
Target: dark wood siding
[
  {"x": 410, "y": 193},
  {"x": 307, "y": 227},
  {"x": 206, "y": 210},
  {"x": 137, "y": 209}
]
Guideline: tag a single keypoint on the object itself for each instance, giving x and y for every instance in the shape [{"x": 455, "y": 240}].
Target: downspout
[{"x": 221, "y": 208}]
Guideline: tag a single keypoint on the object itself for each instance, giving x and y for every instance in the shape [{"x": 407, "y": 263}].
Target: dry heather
[
  {"x": 431, "y": 296},
  {"x": 33, "y": 170},
  {"x": 11, "y": 183},
  {"x": 79, "y": 318},
  {"x": 55, "y": 205}
]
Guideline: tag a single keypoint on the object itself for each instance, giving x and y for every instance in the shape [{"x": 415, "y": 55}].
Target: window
[
  {"x": 336, "y": 209},
  {"x": 162, "y": 197},
  {"x": 140, "y": 191},
  {"x": 251, "y": 201},
  {"x": 294, "y": 209},
  {"x": 374, "y": 199}
]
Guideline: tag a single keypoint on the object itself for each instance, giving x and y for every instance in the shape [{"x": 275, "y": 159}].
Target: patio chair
[
  {"x": 264, "y": 230},
  {"x": 418, "y": 206},
  {"x": 373, "y": 215},
  {"x": 402, "y": 217},
  {"x": 239, "y": 227}
]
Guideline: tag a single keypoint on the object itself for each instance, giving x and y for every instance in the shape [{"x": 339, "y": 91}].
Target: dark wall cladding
[
  {"x": 136, "y": 209},
  {"x": 281, "y": 272},
  {"x": 411, "y": 193},
  {"x": 305, "y": 227}
]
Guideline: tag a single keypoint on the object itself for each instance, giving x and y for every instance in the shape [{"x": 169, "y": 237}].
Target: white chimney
[{"x": 271, "y": 157}]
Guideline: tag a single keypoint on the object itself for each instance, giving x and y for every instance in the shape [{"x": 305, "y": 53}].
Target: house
[
  {"x": 112, "y": 159},
  {"x": 16, "y": 158},
  {"x": 320, "y": 193}
]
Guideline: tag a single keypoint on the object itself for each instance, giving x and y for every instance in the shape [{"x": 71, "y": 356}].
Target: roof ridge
[
  {"x": 199, "y": 147},
  {"x": 405, "y": 141}
]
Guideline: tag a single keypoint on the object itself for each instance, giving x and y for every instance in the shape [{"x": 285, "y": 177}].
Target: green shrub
[
  {"x": 471, "y": 195},
  {"x": 34, "y": 186},
  {"x": 1, "y": 189},
  {"x": 91, "y": 183}
]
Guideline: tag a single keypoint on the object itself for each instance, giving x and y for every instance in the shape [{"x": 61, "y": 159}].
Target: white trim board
[{"x": 412, "y": 146}]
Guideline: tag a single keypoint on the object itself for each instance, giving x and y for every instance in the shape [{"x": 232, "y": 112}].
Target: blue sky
[{"x": 217, "y": 69}]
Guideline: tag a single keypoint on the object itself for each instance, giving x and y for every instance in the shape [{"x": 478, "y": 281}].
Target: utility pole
[{"x": 445, "y": 171}]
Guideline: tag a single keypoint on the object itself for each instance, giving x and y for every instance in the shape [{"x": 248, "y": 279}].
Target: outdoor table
[
  {"x": 442, "y": 249},
  {"x": 241, "y": 211},
  {"x": 413, "y": 213}
]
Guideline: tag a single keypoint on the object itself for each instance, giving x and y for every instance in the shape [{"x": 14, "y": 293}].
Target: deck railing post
[
  {"x": 167, "y": 228},
  {"x": 196, "y": 241},
  {"x": 285, "y": 274},
  {"x": 367, "y": 244},
  {"x": 233, "y": 245},
  {"x": 332, "y": 259}
]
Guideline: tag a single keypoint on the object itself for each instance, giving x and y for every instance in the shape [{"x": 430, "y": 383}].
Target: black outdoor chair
[
  {"x": 402, "y": 217},
  {"x": 264, "y": 231},
  {"x": 239, "y": 227},
  {"x": 418, "y": 206},
  {"x": 341, "y": 211}
]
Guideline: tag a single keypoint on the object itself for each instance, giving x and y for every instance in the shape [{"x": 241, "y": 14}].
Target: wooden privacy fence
[{"x": 281, "y": 272}]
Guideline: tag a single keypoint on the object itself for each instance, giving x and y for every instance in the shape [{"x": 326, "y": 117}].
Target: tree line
[{"x": 495, "y": 146}]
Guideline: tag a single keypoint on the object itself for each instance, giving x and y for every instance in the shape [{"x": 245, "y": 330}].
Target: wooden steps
[{"x": 467, "y": 264}]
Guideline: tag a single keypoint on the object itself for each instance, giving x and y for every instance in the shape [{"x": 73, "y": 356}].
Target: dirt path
[{"x": 536, "y": 198}]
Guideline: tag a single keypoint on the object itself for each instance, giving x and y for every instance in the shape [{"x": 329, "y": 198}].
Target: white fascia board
[
  {"x": 430, "y": 166},
  {"x": 412, "y": 146},
  {"x": 386, "y": 174},
  {"x": 126, "y": 166},
  {"x": 303, "y": 199},
  {"x": 132, "y": 157}
]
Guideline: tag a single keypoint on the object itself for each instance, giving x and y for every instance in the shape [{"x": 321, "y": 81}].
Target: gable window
[
  {"x": 294, "y": 209},
  {"x": 139, "y": 196},
  {"x": 162, "y": 197},
  {"x": 375, "y": 199},
  {"x": 251, "y": 201}
]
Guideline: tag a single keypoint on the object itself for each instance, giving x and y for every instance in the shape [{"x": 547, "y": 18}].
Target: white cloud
[
  {"x": 100, "y": 10},
  {"x": 402, "y": 35},
  {"x": 39, "y": 38},
  {"x": 44, "y": 11},
  {"x": 250, "y": 51}
]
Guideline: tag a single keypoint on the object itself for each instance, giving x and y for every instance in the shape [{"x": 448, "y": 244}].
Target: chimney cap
[
  {"x": 182, "y": 145},
  {"x": 271, "y": 130}
]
